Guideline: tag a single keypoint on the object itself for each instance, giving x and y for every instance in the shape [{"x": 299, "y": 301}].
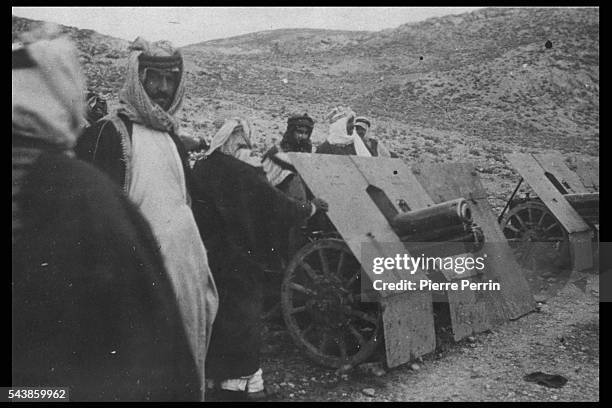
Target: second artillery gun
[{"x": 563, "y": 216}]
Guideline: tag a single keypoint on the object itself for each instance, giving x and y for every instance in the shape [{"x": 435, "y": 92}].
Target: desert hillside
[{"x": 468, "y": 87}]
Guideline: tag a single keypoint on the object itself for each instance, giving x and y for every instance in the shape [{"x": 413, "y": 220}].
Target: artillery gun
[
  {"x": 380, "y": 207},
  {"x": 563, "y": 217}
]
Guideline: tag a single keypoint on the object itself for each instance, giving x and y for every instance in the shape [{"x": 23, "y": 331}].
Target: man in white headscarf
[
  {"x": 137, "y": 146},
  {"x": 93, "y": 308},
  {"x": 342, "y": 137},
  {"x": 234, "y": 139},
  {"x": 375, "y": 146},
  {"x": 241, "y": 218}
]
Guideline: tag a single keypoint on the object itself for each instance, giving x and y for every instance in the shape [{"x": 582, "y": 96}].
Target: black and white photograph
[{"x": 305, "y": 204}]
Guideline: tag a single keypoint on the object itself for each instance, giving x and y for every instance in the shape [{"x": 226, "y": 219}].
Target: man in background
[
  {"x": 342, "y": 138},
  {"x": 241, "y": 218},
  {"x": 375, "y": 146},
  {"x": 296, "y": 138},
  {"x": 282, "y": 175}
]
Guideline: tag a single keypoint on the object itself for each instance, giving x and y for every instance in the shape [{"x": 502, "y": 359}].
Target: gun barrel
[
  {"x": 440, "y": 217},
  {"x": 585, "y": 200},
  {"x": 586, "y": 205}
]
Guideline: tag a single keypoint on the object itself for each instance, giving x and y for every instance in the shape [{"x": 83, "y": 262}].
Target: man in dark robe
[
  {"x": 296, "y": 138},
  {"x": 282, "y": 175},
  {"x": 93, "y": 308},
  {"x": 239, "y": 215}
]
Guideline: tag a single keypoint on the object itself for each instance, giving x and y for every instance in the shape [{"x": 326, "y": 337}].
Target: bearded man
[
  {"x": 138, "y": 147},
  {"x": 276, "y": 164},
  {"x": 241, "y": 216},
  {"x": 282, "y": 175}
]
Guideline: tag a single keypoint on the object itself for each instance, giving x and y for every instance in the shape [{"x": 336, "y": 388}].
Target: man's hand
[{"x": 320, "y": 204}]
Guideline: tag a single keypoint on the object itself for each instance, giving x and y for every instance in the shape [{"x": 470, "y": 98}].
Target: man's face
[
  {"x": 360, "y": 131},
  {"x": 350, "y": 125},
  {"x": 301, "y": 134},
  {"x": 239, "y": 137},
  {"x": 238, "y": 134},
  {"x": 161, "y": 85}
]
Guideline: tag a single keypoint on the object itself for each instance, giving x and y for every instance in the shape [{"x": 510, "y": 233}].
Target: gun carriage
[
  {"x": 563, "y": 217},
  {"x": 380, "y": 207}
]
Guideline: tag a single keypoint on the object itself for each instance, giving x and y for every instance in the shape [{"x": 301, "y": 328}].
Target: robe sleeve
[
  {"x": 382, "y": 150},
  {"x": 286, "y": 210},
  {"x": 324, "y": 148},
  {"x": 100, "y": 145}
]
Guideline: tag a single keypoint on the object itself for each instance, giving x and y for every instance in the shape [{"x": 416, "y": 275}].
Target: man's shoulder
[
  {"x": 224, "y": 169},
  {"x": 59, "y": 180},
  {"x": 325, "y": 146},
  {"x": 220, "y": 161},
  {"x": 70, "y": 172}
]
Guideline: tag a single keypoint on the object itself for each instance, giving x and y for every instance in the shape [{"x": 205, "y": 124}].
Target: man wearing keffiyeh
[
  {"x": 342, "y": 137},
  {"x": 241, "y": 218},
  {"x": 139, "y": 148},
  {"x": 282, "y": 175},
  {"x": 375, "y": 146}
]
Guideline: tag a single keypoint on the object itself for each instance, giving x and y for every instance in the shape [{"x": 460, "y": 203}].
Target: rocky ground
[
  {"x": 458, "y": 88},
  {"x": 561, "y": 337}
]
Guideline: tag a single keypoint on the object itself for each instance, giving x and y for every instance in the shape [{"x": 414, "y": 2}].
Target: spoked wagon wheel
[
  {"x": 322, "y": 308},
  {"x": 535, "y": 235}
]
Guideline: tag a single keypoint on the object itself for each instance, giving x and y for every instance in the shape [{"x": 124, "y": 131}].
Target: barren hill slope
[
  {"x": 466, "y": 88},
  {"x": 286, "y": 41},
  {"x": 486, "y": 73}
]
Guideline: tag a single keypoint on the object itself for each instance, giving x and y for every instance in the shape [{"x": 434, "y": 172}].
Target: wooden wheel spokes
[
  {"x": 340, "y": 263},
  {"x": 324, "y": 263},
  {"x": 541, "y": 219},
  {"x": 341, "y": 344},
  {"x": 311, "y": 273},
  {"x": 299, "y": 309},
  {"x": 519, "y": 219},
  {"x": 361, "y": 341},
  {"x": 513, "y": 228},
  {"x": 361, "y": 315},
  {"x": 321, "y": 303},
  {"x": 533, "y": 231},
  {"x": 302, "y": 289}
]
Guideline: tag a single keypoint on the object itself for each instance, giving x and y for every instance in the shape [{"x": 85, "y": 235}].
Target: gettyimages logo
[
  {"x": 545, "y": 270},
  {"x": 455, "y": 267},
  {"x": 459, "y": 264},
  {"x": 426, "y": 266}
]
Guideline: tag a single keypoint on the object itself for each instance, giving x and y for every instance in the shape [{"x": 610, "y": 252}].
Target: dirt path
[{"x": 561, "y": 338}]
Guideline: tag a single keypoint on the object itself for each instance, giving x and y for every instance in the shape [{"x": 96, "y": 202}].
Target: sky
[{"x": 189, "y": 25}]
